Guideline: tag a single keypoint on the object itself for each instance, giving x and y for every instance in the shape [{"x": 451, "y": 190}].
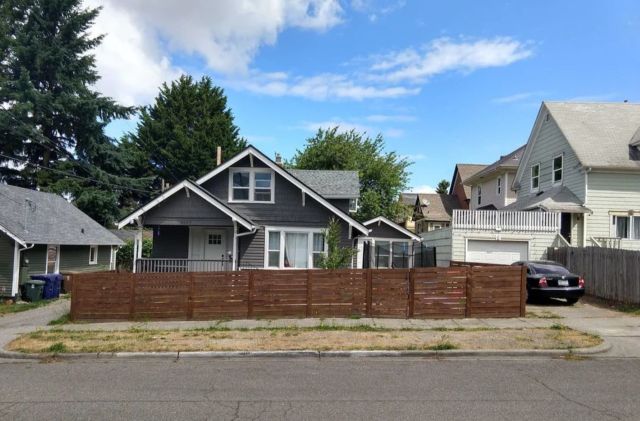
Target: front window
[
  {"x": 535, "y": 177},
  {"x": 382, "y": 254},
  {"x": 93, "y": 255},
  {"x": 400, "y": 255},
  {"x": 557, "y": 169},
  {"x": 294, "y": 249},
  {"x": 625, "y": 227},
  {"x": 251, "y": 185},
  {"x": 479, "y": 195}
]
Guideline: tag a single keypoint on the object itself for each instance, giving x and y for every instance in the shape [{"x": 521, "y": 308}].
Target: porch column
[
  {"x": 137, "y": 245},
  {"x": 234, "y": 253},
  {"x": 16, "y": 268}
]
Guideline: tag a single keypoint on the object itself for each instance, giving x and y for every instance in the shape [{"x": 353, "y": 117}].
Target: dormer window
[{"x": 251, "y": 185}]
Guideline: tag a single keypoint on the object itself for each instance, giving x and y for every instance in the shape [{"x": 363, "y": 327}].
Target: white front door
[{"x": 214, "y": 245}]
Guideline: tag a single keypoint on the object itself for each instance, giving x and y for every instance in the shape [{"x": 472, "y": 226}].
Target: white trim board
[
  {"x": 12, "y": 236},
  {"x": 251, "y": 151},
  {"x": 394, "y": 226},
  {"x": 195, "y": 189}
]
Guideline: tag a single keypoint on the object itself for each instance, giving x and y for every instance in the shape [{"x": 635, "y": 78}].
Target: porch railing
[
  {"x": 607, "y": 242},
  {"x": 148, "y": 264},
  {"x": 497, "y": 220}
]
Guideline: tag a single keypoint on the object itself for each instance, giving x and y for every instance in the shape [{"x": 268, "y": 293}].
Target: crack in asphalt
[{"x": 605, "y": 412}]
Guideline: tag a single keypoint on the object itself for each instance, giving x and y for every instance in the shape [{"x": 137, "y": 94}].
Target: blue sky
[{"x": 444, "y": 82}]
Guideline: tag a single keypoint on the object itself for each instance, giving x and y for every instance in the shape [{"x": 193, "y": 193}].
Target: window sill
[{"x": 252, "y": 201}]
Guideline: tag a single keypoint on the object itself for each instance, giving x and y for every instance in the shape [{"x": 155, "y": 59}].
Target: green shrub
[{"x": 124, "y": 257}]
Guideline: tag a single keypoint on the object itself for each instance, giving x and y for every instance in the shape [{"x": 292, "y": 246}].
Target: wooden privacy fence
[
  {"x": 612, "y": 274},
  {"x": 398, "y": 293}
]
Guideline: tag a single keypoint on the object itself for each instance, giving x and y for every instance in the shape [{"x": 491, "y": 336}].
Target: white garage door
[{"x": 491, "y": 251}]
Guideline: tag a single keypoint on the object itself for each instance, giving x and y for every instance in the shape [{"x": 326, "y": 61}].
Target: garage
[{"x": 495, "y": 251}]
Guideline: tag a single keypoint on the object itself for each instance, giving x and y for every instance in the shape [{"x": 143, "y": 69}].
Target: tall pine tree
[
  {"x": 52, "y": 118},
  {"x": 181, "y": 130}
]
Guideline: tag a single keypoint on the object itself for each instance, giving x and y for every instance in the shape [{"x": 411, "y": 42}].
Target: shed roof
[
  {"x": 36, "y": 217},
  {"x": 332, "y": 184},
  {"x": 437, "y": 207}
]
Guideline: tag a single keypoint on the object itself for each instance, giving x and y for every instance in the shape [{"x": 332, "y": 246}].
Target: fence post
[
  {"x": 132, "y": 296},
  {"x": 468, "y": 288},
  {"x": 523, "y": 291},
  {"x": 369, "y": 291},
  {"x": 308, "y": 310},
  {"x": 250, "y": 295},
  {"x": 411, "y": 294},
  {"x": 190, "y": 298},
  {"x": 73, "y": 313}
]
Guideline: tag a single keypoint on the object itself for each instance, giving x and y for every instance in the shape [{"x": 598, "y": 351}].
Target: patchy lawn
[
  {"x": 319, "y": 338},
  {"x": 10, "y": 307},
  {"x": 542, "y": 314}
]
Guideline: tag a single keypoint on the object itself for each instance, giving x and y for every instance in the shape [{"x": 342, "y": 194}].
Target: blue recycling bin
[{"x": 52, "y": 283}]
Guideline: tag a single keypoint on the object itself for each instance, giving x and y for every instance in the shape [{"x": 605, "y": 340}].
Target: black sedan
[{"x": 551, "y": 280}]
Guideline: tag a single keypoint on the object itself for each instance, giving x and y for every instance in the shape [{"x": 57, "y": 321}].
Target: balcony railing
[
  {"x": 182, "y": 265},
  {"x": 496, "y": 220}
]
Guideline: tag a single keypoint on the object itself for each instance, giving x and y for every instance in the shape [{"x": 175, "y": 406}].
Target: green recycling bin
[{"x": 32, "y": 290}]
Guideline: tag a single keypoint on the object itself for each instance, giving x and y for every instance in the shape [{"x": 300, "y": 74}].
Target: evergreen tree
[
  {"x": 181, "y": 130},
  {"x": 383, "y": 175},
  {"x": 52, "y": 121},
  {"x": 443, "y": 187}
]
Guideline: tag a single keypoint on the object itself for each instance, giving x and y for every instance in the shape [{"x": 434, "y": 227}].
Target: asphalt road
[{"x": 322, "y": 389}]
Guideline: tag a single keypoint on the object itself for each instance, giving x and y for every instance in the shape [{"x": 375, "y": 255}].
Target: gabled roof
[
  {"x": 34, "y": 217},
  {"x": 251, "y": 151},
  {"x": 408, "y": 199},
  {"x": 465, "y": 171},
  {"x": 506, "y": 162},
  {"x": 383, "y": 220},
  {"x": 436, "y": 207},
  {"x": 204, "y": 194},
  {"x": 599, "y": 133},
  {"x": 331, "y": 184}
]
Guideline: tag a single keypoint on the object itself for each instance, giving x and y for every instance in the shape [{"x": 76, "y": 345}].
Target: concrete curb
[{"x": 540, "y": 353}]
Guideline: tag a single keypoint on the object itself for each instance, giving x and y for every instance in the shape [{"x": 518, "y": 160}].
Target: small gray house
[
  {"x": 250, "y": 212},
  {"x": 43, "y": 233}
]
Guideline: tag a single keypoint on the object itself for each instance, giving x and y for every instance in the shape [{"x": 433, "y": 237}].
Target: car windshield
[{"x": 549, "y": 268}]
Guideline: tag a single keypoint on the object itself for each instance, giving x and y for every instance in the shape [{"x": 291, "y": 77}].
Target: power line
[{"x": 68, "y": 174}]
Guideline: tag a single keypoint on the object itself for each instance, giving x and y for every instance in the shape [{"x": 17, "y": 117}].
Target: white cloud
[
  {"x": 347, "y": 125},
  {"x": 444, "y": 55},
  {"x": 134, "y": 57},
  {"x": 320, "y": 87},
  {"x": 422, "y": 189}
]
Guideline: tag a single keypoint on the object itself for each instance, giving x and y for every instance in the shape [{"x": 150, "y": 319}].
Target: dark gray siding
[
  {"x": 37, "y": 259},
  {"x": 342, "y": 204},
  {"x": 76, "y": 259},
  {"x": 6, "y": 265},
  {"x": 251, "y": 249},
  {"x": 171, "y": 241},
  {"x": 384, "y": 231},
  {"x": 182, "y": 210},
  {"x": 287, "y": 211}
]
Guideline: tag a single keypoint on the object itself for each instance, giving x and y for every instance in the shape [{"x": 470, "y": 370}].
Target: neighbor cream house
[
  {"x": 583, "y": 161},
  {"x": 491, "y": 186}
]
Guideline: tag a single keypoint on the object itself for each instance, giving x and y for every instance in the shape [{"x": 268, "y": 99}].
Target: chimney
[
  {"x": 279, "y": 159},
  {"x": 218, "y": 156}
]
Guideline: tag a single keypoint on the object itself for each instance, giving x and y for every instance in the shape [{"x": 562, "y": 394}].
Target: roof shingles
[{"x": 331, "y": 184}]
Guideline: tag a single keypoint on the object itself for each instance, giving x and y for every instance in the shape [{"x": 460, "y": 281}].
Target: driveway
[{"x": 619, "y": 329}]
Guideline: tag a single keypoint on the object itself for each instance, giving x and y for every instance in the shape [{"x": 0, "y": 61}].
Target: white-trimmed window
[
  {"x": 53, "y": 258},
  {"x": 479, "y": 194},
  {"x": 499, "y": 186},
  {"x": 93, "y": 255},
  {"x": 391, "y": 254},
  {"x": 251, "y": 185},
  {"x": 353, "y": 205},
  {"x": 294, "y": 248},
  {"x": 535, "y": 177},
  {"x": 625, "y": 226},
  {"x": 557, "y": 169}
]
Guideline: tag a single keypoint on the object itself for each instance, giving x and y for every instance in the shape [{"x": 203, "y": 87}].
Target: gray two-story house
[
  {"x": 250, "y": 212},
  {"x": 583, "y": 160}
]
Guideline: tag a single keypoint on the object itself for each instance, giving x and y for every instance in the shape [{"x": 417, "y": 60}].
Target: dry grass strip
[{"x": 322, "y": 338}]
